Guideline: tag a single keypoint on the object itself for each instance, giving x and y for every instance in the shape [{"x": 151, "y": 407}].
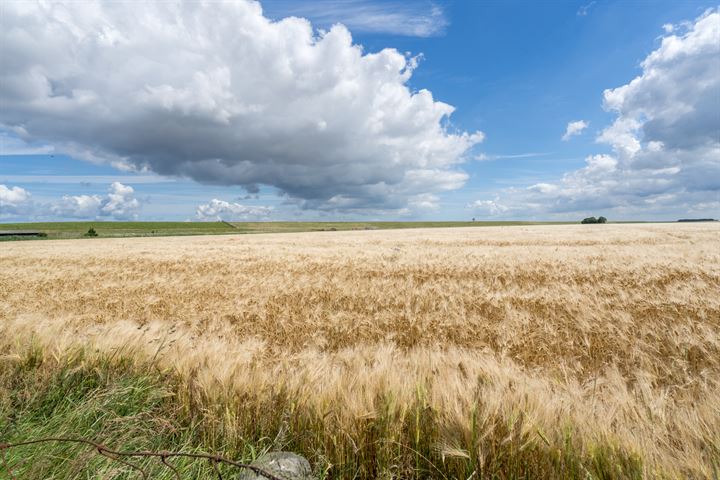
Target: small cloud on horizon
[
  {"x": 118, "y": 204},
  {"x": 218, "y": 210}
]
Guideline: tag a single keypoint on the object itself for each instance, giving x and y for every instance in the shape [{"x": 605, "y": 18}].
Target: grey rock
[{"x": 285, "y": 465}]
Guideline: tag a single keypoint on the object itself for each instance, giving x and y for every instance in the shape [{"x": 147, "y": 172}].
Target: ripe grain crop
[{"x": 586, "y": 351}]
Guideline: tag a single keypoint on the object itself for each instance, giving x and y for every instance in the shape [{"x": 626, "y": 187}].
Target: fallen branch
[{"x": 116, "y": 456}]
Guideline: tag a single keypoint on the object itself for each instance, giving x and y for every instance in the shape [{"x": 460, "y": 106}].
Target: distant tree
[
  {"x": 594, "y": 220},
  {"x": 91, "y": 233}
]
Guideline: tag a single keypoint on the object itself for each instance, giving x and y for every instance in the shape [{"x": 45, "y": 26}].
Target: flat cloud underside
[{"x": 225, "y": 96}]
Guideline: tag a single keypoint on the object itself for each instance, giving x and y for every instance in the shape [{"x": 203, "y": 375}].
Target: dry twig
[{"x": 116, "y": 456}]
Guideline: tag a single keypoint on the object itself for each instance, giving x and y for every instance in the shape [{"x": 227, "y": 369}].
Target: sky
[{"x": 359, "y": 110}]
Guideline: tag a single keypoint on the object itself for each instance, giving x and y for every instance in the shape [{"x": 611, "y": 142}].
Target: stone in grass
[{"x": 285, "y": 465}]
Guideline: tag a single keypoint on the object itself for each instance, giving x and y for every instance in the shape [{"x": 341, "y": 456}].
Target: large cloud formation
[
  {"x": 221, "y": 94},
  {"x": 665, "y": 139}
]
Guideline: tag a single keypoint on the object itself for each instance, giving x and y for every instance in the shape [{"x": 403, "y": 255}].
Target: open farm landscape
[
  {"x": 566, "y": 351},
  {"x": 359, "y": 240}
]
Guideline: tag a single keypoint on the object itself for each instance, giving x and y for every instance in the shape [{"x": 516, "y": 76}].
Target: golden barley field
[{"x": 587, "y": 351}]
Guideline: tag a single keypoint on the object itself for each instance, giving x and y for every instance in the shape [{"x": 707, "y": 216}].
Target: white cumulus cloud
[
  {"x": 13, "y": 195},
  {"x": 219, "y": 93},
  {"x": 119, "y": 204},
  {"x": 574, "y": 128},
  {"x": 665, "y": 138},
  {"x": 14, "y": 201},
  {"x": 222, "y": 210},
  {"x": 77, "y": 206}
]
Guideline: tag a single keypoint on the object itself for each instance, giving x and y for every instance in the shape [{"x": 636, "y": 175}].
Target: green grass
[
  {"x": 60, "y": 230},
  {"x": 106, "y": 401}
]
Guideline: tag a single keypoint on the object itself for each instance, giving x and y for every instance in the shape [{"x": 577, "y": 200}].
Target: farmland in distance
[{"x": 67, "y": 230}]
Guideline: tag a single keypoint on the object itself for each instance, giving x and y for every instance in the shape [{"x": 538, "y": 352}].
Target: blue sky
[{"x": 519, "y": 72}]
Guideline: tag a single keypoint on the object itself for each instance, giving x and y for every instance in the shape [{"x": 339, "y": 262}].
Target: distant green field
[
  {"x": 59, "y": 230},
  {"x": 122, "y": 229}
]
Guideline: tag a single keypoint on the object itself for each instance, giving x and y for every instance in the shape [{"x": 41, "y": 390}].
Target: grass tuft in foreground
[{"x": 104, "y": 399}]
